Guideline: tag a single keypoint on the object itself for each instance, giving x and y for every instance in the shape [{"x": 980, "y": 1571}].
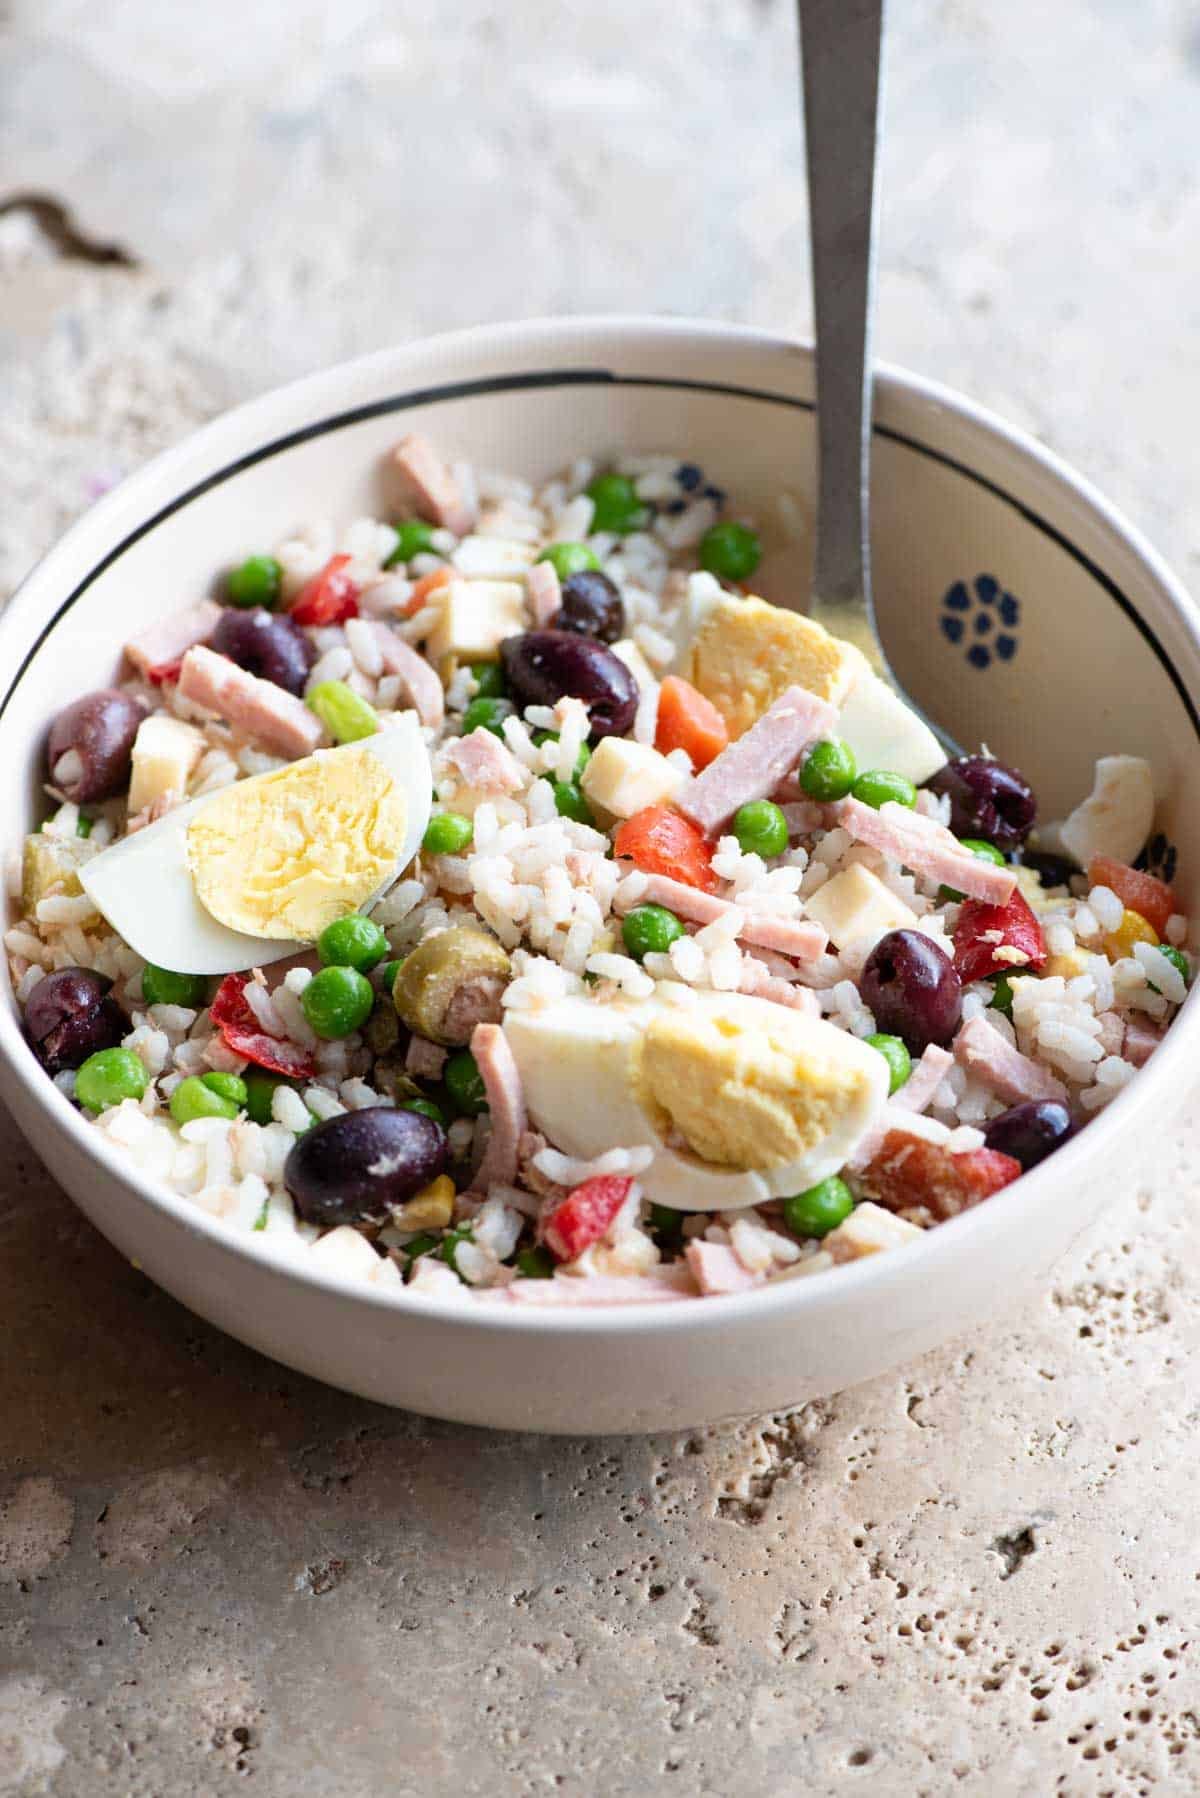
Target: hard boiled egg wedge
[
  {"x": 254, "y": 872},
  {"x": 740, "y": 1099}
]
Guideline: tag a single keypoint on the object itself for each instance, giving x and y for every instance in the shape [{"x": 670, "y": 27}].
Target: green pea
[
  {"x": 451, "y": 1242},
  {"x": 447, "y": 834},
  {"x": 83, "y": 826},
  {"x": 337, "y": 1001},
  {"x": 388, "y": 973},
  {"x": 260, "y": 1092},
  {"x": 666, "y": 1223},
  {"x": 161, "y": 986},
  {"x": 489, "y": 678},
  {"x": 229, "y": 1086},
  {"x": 464, "y": 1083},
  {"x": 1002, "y": 994},
  {"x": 829, "y": 770},
  {"x": 352, "y": 942},
  {"x": 878, "y": 785},
  {"x": 487, "y": 712},
  {"x": 819, "y": 1210},
  {"x": 344, "y": 713},
  {"x": 255, "y": 582},
  {"x": 615, "y": 504},
  {"x": 897, "y": 1057},
  {"x": 567, "y": 559},
  {"x": 569, "y": 802},
  {"x": 986, "y": 852},
  {"x": 194, "y": 1098},
  {"x": 760, "y": 828},
  {"x": 421, "y": 1245},
  {"x": 1178, "y": 961},
  {"x": 108, "y": 1077},
  {"x": 650, "y": 930},
  {"x": 730, "y": 550},
  {"x": 427, "y": 1109},
  {"x": 413, "y": 538},
  {"x": 536, "y": 1264},
  {"x": 551, "y": 736}
]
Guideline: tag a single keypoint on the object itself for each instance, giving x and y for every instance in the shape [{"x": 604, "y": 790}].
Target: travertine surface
[{"x": 980, "y": 1575}]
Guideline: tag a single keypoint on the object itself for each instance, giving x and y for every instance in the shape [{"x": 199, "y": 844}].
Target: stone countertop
[{"x": 979, "y": 1574}]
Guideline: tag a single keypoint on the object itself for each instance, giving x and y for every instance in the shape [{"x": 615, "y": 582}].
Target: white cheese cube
[
  {"x": 165, "y": 751},
  {"x": 474, "y": 617},
  {"x": 884, "y": 733},
  {"x": 492, "y": 558},
  {"x": 1118, "y": 814},
  {"x": 856, "y": 907},
  {"x": 623, "y": 777},
  {"x": 868, "y": 1230}
]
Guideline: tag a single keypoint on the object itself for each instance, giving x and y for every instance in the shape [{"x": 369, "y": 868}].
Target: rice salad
[{"x": 502, "y": 901}]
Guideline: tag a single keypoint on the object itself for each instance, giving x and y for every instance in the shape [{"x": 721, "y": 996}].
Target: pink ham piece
[
  {"x": 426, "y": 480},
  {"x": 171, "y": 638},
  {"x": 485, "y": 763},
  {"x": 925, "y": 847},
  {"x": 424, "y": 1060},
  {"x": 278, "y": 720},
  {"x": 760, "y": 983},
  {"x": 673, "y": 1282},
  {"x": 1112, "y": 1032},
  {"x": 913, "y": 1097},
  {"x": 981, "y": 1050},
  {"x": 1141, "y": 1040},
  {"x": 506, "y": 1106},
  {"x": 420, "y": 680},
  {"x": 799, "y": 938},
  {"x": 753, "y": 765},
  {"x": 717, "y": 1270},
  {"x": 544, "y": 593}
]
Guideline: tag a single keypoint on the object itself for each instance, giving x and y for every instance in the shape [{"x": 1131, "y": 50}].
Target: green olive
[{"x": 450, "y": 983}]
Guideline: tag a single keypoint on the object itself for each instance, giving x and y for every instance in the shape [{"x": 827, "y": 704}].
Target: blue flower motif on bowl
[{"x": 981, "y": 617}]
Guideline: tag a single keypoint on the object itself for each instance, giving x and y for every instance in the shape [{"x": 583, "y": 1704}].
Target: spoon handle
[{"x": 841, "y": 43}]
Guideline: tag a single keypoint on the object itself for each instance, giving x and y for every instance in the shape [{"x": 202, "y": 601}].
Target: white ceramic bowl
[{"x": 1089, "y": 647}]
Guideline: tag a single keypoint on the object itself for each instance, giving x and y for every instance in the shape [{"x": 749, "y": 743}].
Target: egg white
[
  {"x": 578, "y": 1064},
  {"x": 144, "y": 888}
]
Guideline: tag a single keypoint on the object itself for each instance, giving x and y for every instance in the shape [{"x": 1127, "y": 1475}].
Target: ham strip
[
  {"x": 753, "y": 765},
  {"x": 426, "y": 479},
  {"x": 506, "y": 1106},
  {"x": 799, "y": 938},
  {"x": 420, "y": 680},
  {"x": 170, "y": 638},
  {"x": 544, "y": 593},
  {"x": 484, "y": 762},
  {"x": 278, "y": 720},
  {"x": 1141, "y": 1040},
  {"x": 760, "y": 983},
  {"x": 673, "y": 1282},
  {"x": 424, "y": 1060},
  {"x": 981, "y": 1049},
  {"x": 912, "y": 1099},
  {"x": 717, "y": 1270},
  {"x": 925, "y": 847}
]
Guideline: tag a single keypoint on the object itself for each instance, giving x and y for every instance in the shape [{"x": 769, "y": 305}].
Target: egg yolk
[
  {"x": 283, "y": 854},
  {"x": 738, "y": 1098}
]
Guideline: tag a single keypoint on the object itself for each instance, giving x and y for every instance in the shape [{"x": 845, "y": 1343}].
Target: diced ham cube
[
  {"x": 424, "y": 1060},
  {"x": 544, "y": 592},
  {"x": 160, "y": 648},
  {"x": 798, "y": 938},
  {"x": 980, "y": 1048},
  {"x": 485, "y": 762},
  {"x": 753, "y": 765},
  {"x": 717, "y": 1270},
  {"x": 909, "y": 1173},
  {"x": 1141, "y": 1040},
  {"x": 278, "y": 720},
  {"x": 924, "y": 846},
  {"x": 420, "y": 680},
  {"x": 506, "y": 1106},
  {"x": 584, "y": 1216},
  {"x": 426, "y": 480},
  {"x": 757, "y": 980}
]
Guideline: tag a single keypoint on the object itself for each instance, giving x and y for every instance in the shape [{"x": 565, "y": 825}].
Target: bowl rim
[{"x": 873, "y": 1275}]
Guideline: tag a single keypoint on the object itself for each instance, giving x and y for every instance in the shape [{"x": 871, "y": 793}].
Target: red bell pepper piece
[
  {"x": 985, "y": 931},
  {"x": 906, "y": 1173},
  {"x": 584, "y": 1215},
  {"x": 330, "y": 597},
  {"x": 659, "y": 840},
  {"x": 243, "y": 1033}
]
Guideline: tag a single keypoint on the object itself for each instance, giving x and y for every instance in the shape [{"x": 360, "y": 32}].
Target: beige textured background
[{"x": 980, "y": 1576}]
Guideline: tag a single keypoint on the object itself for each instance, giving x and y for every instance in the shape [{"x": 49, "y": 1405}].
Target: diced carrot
[
  {"x": 687, "y": 720},
  {"x": 659, "y": 840},
  {"x": 1137, "y": 891},
  {"x": 427, "y": 584}
]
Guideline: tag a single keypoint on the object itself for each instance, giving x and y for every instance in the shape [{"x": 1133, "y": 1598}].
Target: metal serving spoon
[{"x": 841, "y": 43}]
